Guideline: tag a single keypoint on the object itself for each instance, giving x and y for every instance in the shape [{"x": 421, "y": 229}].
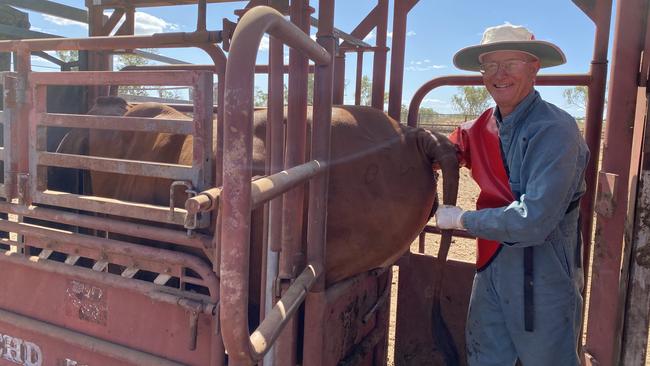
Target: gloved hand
[{"x": 449, "y": 217}]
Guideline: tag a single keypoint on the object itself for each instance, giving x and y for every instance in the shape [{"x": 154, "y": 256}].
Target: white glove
[{"x": 449, "y": 217}]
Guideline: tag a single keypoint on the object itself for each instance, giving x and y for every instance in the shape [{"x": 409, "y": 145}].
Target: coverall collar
[{"x": 520, "y": 111}]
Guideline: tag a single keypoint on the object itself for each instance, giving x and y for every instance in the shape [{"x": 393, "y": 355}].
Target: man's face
[{"x": 513, "y": 79}]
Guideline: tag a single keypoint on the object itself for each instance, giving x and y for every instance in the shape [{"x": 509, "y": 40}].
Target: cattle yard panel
[
  {"x": 39, "y": 247},
  {"x": 199, "y": 175}
]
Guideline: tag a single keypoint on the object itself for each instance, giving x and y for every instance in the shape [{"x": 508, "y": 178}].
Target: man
[{"x": 528, "y": 158}]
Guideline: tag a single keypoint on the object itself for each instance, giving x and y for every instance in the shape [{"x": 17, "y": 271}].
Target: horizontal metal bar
[
  {"x": 119, "y": 166},
  {"x": 84, "y": 341},
  {"x": 157, "y": 57},
  {"x": 139, "y": 253},
  {"x": 109, "y": 225},
  {"x": 170, "y": 295},
  {"x": 342, "y": 35},
  {"x": 431, "y": 229},
  {"x": 110, "y": 206},
  {"x": 275, "y": 321},
  {"x": 11, "y": 32},
  {"x": 149, "y": 3},
  {"x": 51, "y": 8},
  {"x": 176, "y": 126},
  {"x": 109, "y": 43},
  {"x": 167, "y": 78},
  {"x": 267, "y": 188}
]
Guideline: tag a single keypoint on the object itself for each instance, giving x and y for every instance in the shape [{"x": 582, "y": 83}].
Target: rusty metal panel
[
  {"x": 111, "y": 206},
  {"x": 123, "y": 317},
  {"x": 338, "y": 322},
  {"x": 183, "y": 127},
  {"x": 637, "y": 311},
  {"x": 413, "y": 343}
]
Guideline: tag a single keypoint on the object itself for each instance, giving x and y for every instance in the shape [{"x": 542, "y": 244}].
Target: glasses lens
[{"x": 489, "y": 68}]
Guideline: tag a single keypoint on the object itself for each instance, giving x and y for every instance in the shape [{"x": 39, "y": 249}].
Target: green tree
[
  {"x": 576, "y": 96},
  {"x": 471, "y": 100},
  {"x": 366, "y": 90}
]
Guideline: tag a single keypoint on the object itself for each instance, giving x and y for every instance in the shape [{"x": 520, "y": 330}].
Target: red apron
[{"x": 479, "y": 151}]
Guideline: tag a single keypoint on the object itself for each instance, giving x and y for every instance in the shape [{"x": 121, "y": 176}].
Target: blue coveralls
[{"x": 546, "y": 156}]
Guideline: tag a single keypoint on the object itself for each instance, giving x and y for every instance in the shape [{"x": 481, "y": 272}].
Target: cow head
[{"x": 109, "y": 106}]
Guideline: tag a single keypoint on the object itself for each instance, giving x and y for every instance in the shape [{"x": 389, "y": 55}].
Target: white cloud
[
  {"x": 433, "y": 101},
  {"x": 146, "y": 23},
  {"x": 424, "y": 65},
  {"x": 63, "y": 22}
]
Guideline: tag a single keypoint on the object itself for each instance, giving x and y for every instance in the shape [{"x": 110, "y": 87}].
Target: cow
[{"x": 381, "y": 193}]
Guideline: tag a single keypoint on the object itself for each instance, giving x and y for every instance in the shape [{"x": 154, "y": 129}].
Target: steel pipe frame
[
  {"x": 292, "y": 257},
  {"x": 313, "y": 344},
  {"x": 169, "y": 295},
  {"x": 605, "y": 316},
  {"x": 110, "y": 225},
  {"x": 236, "y": 203},
  {"x": 209, "y": 278},
  {"x": 402, "y": 8}
]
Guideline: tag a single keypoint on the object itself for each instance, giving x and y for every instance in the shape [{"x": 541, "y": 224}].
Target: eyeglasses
[{"x": 509, "y": 66}]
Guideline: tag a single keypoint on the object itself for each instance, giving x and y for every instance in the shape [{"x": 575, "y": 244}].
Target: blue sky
[{"x": 436, "y": 30}]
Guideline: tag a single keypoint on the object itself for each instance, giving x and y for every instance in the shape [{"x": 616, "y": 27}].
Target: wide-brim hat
[{"x": 508, "y": 37}]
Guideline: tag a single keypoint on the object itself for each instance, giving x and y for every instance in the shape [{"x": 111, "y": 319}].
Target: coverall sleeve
[{"x": 552, "y": 172}]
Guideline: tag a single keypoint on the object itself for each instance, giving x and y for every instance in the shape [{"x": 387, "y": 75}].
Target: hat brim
[{"x": 547, "y": 53}]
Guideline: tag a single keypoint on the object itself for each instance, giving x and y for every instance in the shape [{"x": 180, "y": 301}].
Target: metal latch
[{"x": 190, "y": 220}]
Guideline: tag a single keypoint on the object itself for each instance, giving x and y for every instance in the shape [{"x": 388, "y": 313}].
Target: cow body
[{"x": 381, "y": 185}]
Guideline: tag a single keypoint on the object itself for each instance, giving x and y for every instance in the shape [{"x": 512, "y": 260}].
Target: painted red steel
[
  {"x": 237, "y": 169},
  {"x": 402, "y": 8},
  {"x": 91, "y": 308},
  {"x": 605, "y": 306},
  {"x": 380, "y": 56}
]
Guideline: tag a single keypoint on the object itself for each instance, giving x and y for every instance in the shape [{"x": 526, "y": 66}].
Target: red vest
[{"x": 479, "y": 151}]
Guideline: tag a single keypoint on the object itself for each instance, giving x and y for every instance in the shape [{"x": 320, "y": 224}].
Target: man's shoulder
[{"x": 546, "y": 114}]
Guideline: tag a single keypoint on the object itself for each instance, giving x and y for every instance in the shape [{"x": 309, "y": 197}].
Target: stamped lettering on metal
[
  {"x": 86, "y": 302},
  {"x": 20, "y": 351}
]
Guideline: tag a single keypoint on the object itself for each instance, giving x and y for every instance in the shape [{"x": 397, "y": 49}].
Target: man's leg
[{"x": 488, "y": 341}]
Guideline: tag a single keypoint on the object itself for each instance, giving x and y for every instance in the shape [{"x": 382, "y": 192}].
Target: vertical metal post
[
  {"x": 359, "y": 79},
  {"x": 379, "y": 63},
  {"x": 605, "y": 310},
  {"x": 402, "y": 8},
  {"x": 274, "y": 151},
  {"x": 600, "y": 15},
  {"x": 339, "y": 78},
  {"x": 292, "y": 257}
]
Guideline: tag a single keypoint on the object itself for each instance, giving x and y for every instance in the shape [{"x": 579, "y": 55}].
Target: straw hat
[{"x": 508, "y": 37}]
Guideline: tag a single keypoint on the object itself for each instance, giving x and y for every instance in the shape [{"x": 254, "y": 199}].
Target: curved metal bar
[
  {"x": 460, "y": 80},
  {"x": 237, "y": 169}
]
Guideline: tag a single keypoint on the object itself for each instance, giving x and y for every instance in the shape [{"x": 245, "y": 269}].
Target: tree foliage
[
  {"x": 128, "y": 59},
  {"x": 576, "y": 96},
  {"x": 471, "y": 100}
]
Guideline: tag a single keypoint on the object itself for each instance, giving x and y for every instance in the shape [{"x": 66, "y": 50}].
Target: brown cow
[{"x": 381, "y": 186}]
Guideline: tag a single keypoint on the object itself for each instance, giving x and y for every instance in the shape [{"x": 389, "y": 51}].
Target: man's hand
[{"x": 449, "y": 217}]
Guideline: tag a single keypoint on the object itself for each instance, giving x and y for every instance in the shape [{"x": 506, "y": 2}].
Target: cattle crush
[{"x": 82, "y": 284}]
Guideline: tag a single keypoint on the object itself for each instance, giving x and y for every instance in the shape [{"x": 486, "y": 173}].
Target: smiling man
[{"x": 528, "y": 157}]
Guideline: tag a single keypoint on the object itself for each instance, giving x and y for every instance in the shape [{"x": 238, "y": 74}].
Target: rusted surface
[
  {"x": 98, "y": 43},
  {"x": 335, "y": 324},
  {"x": 402, "y": 8},
  {"x": 604, "y": 320},
  {"x": 237, "y": 168},
  {"x": 128, "y": 322},
  {"x": 109, "y": 225},
  {"x": 415, "y": 296},
  {"x": 637, "y": 309}
]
